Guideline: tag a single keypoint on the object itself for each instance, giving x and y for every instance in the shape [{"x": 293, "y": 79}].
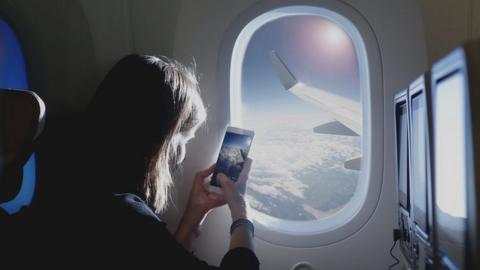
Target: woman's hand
[
  {"x": 200, "y": 202},
  {"x": 234, "y": 192}
]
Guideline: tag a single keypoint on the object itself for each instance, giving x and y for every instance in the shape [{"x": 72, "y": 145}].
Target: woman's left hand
[{"x": 200, "y": 202}]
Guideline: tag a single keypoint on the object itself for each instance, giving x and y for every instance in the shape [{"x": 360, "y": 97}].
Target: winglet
[
  {"x": 334, "y": 128},
  {"x": 353, "y": 164},
  {"x": 283, "y": 73}
]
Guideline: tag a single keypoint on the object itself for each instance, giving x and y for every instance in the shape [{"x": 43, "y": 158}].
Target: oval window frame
[{"x": 366, "y": 198}]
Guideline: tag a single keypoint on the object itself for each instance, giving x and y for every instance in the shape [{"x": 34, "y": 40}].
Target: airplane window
[
  {"x": 300, "y": 92},
  {"x": 13, "y": 75}
]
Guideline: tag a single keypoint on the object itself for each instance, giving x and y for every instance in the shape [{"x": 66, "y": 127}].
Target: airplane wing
[{"x": 346, "y": 111}]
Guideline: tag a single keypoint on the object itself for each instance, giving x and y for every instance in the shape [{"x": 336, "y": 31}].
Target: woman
[{"x": 140, "y": 119}]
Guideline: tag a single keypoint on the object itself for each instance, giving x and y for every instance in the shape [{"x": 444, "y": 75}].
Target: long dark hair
[{"x": 138, "y": 108}]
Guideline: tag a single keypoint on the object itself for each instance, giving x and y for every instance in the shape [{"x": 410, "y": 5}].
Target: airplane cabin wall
[
  {"x": 120, "y": 27},
  {"x": 448, "y": 24}
]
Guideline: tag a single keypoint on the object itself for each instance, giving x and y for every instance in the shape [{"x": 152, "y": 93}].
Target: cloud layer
[{"x": 298, "y": 174}]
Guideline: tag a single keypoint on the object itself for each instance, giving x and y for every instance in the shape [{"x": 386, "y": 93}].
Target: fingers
[
  {"x": 233, "y": 196},
  {"x": 215, "y": 196},
  {"x": 226, "y": 184},
  {"x": 216, "y": 199},
  {"x": 247, "y": 166},
  {"x": 224, "y": 181},
  {"x": 206, "y": 172}
]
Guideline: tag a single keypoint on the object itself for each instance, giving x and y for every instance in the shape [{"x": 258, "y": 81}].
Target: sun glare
[{"x": 334, "y": 36}]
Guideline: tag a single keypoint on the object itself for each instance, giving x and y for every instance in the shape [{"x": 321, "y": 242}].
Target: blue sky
[{"x": 317, "y": 52}]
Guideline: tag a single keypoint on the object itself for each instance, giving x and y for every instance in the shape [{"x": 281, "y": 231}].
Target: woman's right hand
[{"x": 234, "y": 192}]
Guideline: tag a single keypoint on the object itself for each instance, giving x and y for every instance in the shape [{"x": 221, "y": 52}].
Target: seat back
[{"x": 22, "y": 117}]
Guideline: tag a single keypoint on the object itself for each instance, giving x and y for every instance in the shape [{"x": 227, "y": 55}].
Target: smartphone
[{"x": 232, "y": 155}]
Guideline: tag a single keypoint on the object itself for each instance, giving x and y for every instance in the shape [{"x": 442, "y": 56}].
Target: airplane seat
[{"x": 22, "y": 117}]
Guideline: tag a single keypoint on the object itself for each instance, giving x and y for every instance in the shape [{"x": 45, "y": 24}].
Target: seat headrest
[{"x": 22, "y": 117}]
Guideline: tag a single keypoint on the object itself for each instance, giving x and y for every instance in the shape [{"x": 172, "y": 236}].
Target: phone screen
[{"x": 232, "y": 155}]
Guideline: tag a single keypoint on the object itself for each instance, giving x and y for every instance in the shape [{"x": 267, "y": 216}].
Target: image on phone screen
[{"x": 233, "y": 153}]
